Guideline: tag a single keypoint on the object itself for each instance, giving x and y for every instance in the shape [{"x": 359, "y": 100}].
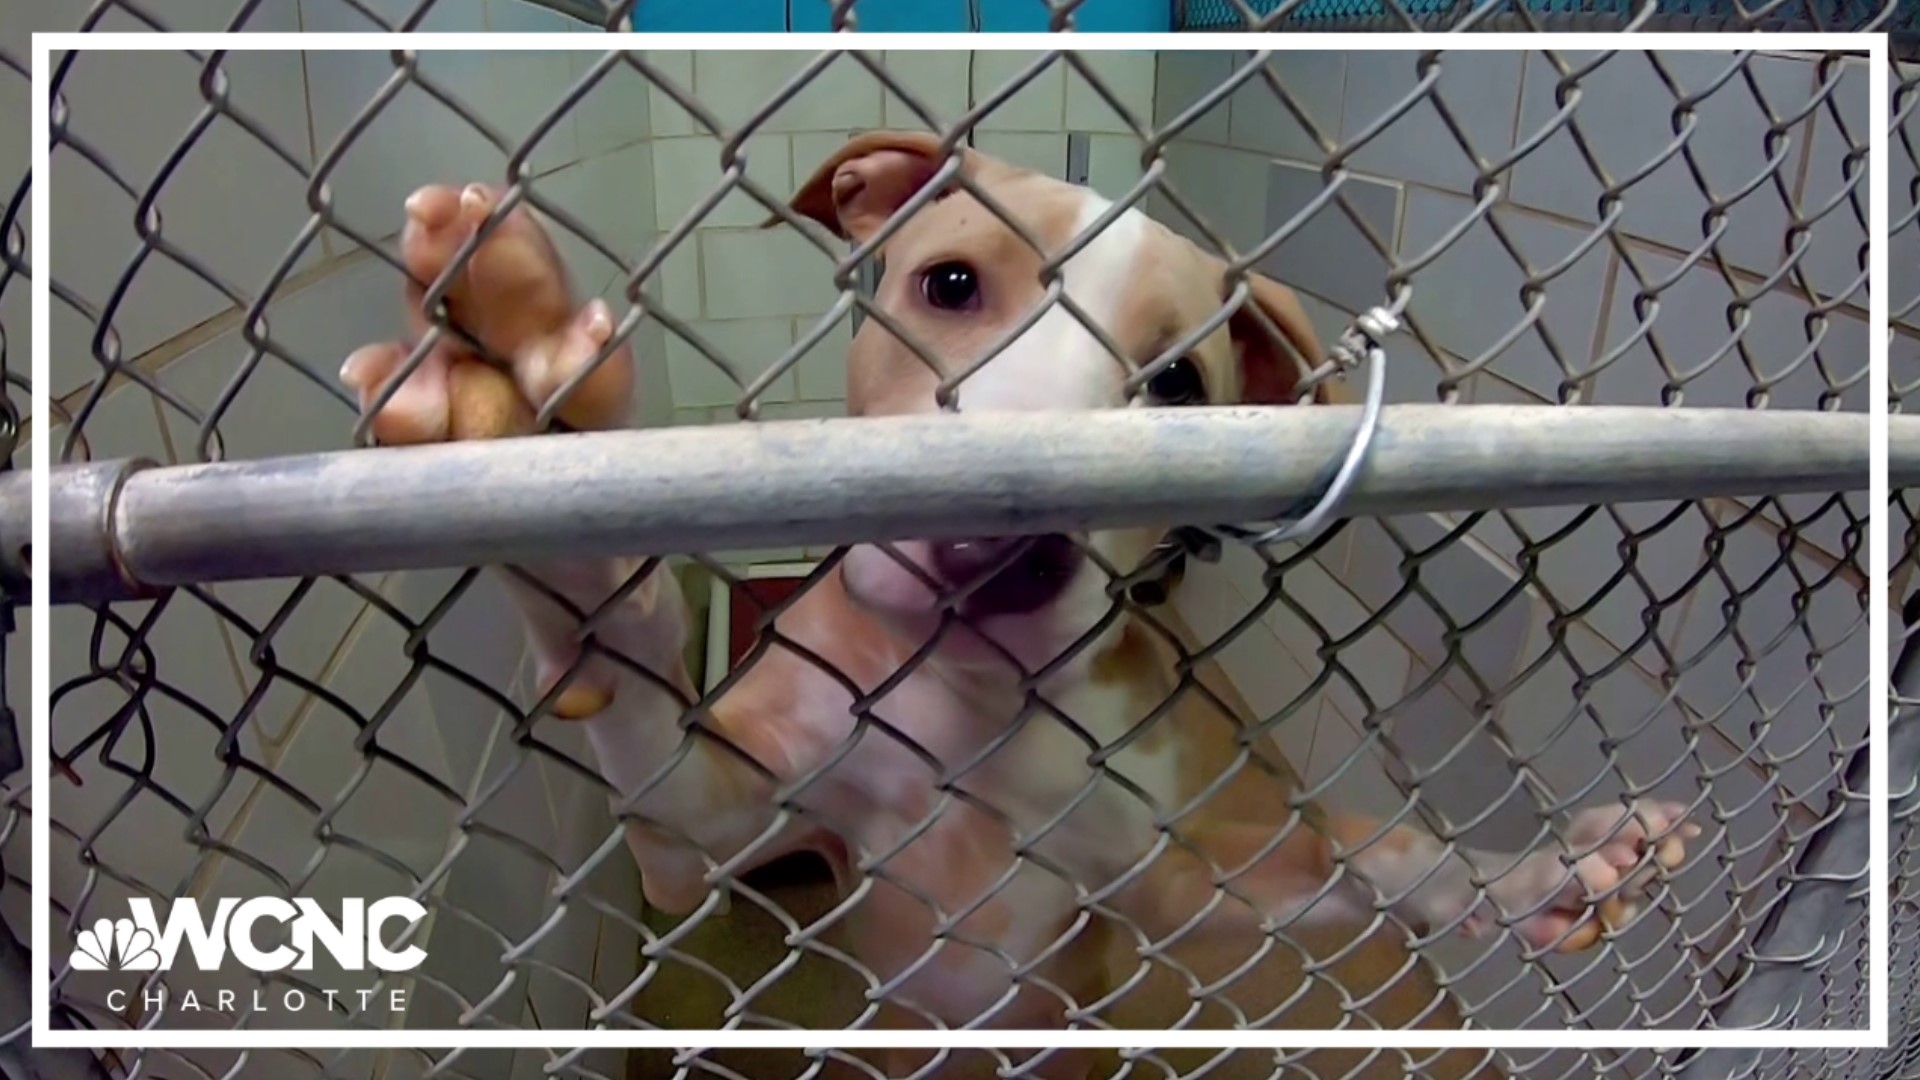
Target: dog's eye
[
  {"x": 1179, "y": 383},
  {"x": 951, "y": 286}
]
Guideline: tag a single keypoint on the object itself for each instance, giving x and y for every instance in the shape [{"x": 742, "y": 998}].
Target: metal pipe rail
[{"x": 121, "y": 529}]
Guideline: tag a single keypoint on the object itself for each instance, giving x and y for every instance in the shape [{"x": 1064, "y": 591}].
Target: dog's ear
[
  {"x": 857, "y": 189},
  {"x": 1275, "y": 344}
]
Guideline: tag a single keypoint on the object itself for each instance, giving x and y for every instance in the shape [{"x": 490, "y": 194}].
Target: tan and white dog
[{"x": 1012, "y": 849}]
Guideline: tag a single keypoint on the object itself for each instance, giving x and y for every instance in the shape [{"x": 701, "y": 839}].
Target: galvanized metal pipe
[{"x": 825, "y": 482}]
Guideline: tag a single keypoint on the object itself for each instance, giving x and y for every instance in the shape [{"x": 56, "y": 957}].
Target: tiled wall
[
  {"x": 238, "y": 208},
  {"x": 634, "y": 165},
  {"x": 1250, "y": 166},
  {"x": 628, "y": 162},
  {"x": 752, "y": 293}
]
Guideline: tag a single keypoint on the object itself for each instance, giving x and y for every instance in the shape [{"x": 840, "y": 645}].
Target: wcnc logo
[{"x": 141, "y": 943}]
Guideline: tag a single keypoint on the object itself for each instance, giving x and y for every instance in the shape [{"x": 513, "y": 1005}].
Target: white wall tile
[
  {"x": 751, "y": 346},
  {"x": 304, "y": 644},
  {"x": 45, "y": 16},
  {"x": 1181, "y": 80},
  {"x": 752, "y": 272},
  {"x": 412, "y": 142},
  {"x": 1378, "y": 662},
  {"x": 1579, "y": 565},
  {"x": 1271, "y": 682},
  {"x": 1475, "y": 590},
  {"x": 122, "y": 425},
  {"x": 938, "y": 81},
  {"x": 1441, "y": 750},
  {"x": 676, "y": 283},
  {"x": 1226, "y": 188},
  {"x": 666, "y": 116},
  {"x": 182, "y": 15},
  {"x": 1039, "y": 104},
  {"x": 1564, "y": 732},
  {"x": 1212, "y": 597},
  {"x": 15, "y": 145},
  {"x": 515, "y": 91},
  {"x": 822, "y": 372},
  {"x": 1780, "y": 704},
  {"x": 688, "y": 171},
  {"x": 1461, "y": 581},
  {"x": 1903, "y": 254},
  {"x": 95, "y": 223},
  {"x": 1129, "y": 76},
  {"x": 1350, "y": 765},
  {"x": 278, "y": 410},
  {"x": 1837, "y": 240},
  {"x": 1468, "y": 299},
  {"x": 480, "y": 633},
  {"x": 1480, "y": 91},
  {"x": 72, "y": 364},
  {"x": 1327, "y": 253},
  {"x": 736, "y": 86},
  {"x": 1625, "y": 113},
  {"x": 1691, "y": 328},
  {"x": 1261, "y": 121},
  {"x": 1042, "y": 152},
  {"x": 1113, "y": 165},
  {"x": 230, "y": 204},
  {"x": 608, "y": 196},
  {"x": 148, "y": 838},
  {"x": 617, "y": 112},
  {"x": 1297, "y": 637},
  {"x": 322, "y": 761},
  {"x": 1822, "y": 523},
  {"x": 653, "y": 393}
]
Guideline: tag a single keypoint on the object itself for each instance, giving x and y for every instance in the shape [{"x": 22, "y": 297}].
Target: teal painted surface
[
  {"x": 924, "y": 16},
  {"x": 1214, "y": 14}
]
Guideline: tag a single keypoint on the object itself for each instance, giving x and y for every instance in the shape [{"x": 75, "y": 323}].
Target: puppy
[{"x": 1031, "y": 827}]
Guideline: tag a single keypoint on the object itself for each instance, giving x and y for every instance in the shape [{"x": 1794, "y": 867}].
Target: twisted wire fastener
[{"x": 1361, "y": 342}]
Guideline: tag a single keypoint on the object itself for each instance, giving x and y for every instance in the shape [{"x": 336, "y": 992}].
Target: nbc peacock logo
[{"x": 115, "y": 945}]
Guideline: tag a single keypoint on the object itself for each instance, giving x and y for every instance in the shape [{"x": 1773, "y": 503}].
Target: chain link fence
[
  {"x": 328, "y": 717},
  {"x": 1607, "y": 15},
  {"x": 1903, "y": 1056}
]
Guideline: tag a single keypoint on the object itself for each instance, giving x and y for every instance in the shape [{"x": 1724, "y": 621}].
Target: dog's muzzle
[{"x": 1022, "y": 574}]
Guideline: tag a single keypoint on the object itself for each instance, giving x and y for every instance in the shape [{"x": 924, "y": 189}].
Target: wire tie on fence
[
  {"x": 1363, "y": 338},
  {"x": 1361, "y": 343}
]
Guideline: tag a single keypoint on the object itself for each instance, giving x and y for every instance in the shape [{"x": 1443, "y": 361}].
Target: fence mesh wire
[
  {"x": 1902, "y": 539},
  {"x": 1810, "y": 15},
  {"x": 1734, "y": 683}
]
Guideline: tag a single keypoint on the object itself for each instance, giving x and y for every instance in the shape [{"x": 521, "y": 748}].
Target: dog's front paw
[
  {"x": 512, "y": 299},
  {"x": 522, "y": 341},
  {"x": 1616, "y": 854}
]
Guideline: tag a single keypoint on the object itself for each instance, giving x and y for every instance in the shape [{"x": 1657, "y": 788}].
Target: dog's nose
[{"x": 1021, "y": 580}]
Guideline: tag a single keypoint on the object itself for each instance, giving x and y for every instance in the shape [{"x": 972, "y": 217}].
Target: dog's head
[{"x": 959, "y": 280}]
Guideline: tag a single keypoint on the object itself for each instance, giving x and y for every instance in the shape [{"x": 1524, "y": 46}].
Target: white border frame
[{"x": 1875, "y": 1037}]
